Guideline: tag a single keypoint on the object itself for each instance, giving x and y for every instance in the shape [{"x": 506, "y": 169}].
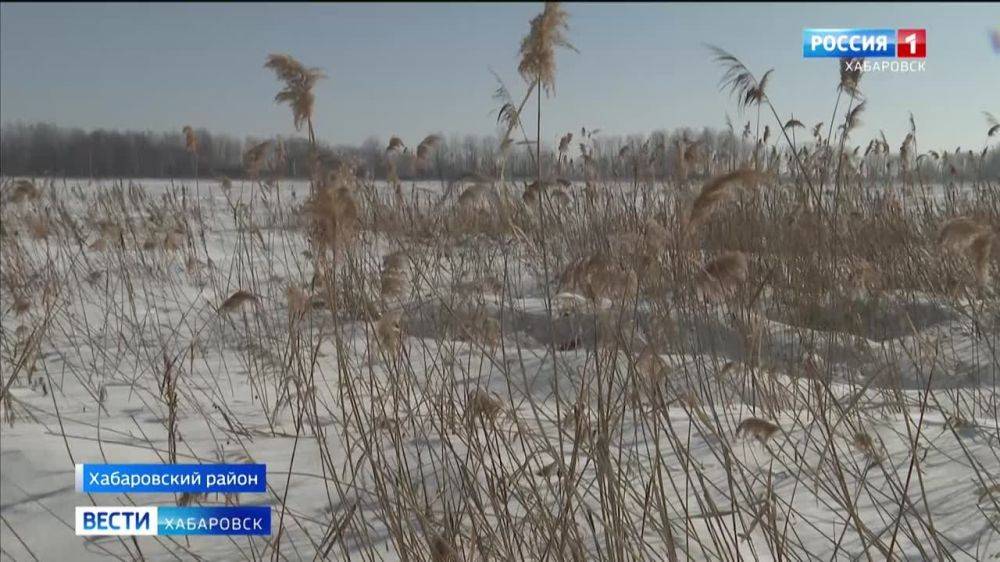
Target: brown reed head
[
  {"x": 759, "y": 429},
  {"x": 424, "y": 150},
  {"x": 850, "y": 75},
  {"x": 738, "y": 79},
  {"x": 723, "y": 274},
  {"x": 254, "y": 159},
  {"x": 190, "y": 140},
  {"x": 718, "y": 191},
  {"x": 299, "y": 81},
  {"x": 237, "y": 300},
  {"x": 538, "y": 57}
]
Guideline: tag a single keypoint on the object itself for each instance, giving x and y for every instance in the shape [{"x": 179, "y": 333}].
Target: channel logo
[
  {"x": 94, "y": 521},
  {"x": 116, "y": 521},
  {"x": 864, "y": 43}
]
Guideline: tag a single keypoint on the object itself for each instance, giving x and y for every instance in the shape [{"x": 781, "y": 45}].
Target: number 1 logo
[{"x": 911, "y": 43}]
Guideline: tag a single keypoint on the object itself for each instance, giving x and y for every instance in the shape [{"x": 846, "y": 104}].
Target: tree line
[{"x": 46, "y": 150}]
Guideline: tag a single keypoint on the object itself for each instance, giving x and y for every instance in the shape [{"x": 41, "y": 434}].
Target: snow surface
[{"x": 94, "y": 398}]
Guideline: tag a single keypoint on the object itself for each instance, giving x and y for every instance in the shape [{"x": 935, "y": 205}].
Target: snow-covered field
[{"x": 513, "y": 418}]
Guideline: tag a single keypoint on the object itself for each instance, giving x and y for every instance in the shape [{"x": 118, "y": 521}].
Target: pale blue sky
[{"x": 412, "y": 69}]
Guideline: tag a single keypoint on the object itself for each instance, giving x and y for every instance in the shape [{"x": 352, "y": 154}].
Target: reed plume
[
  {"x": 793, "y": 124},
  {"x": 39, "y": 226},
  {"x": 190, "y": 140},
  {"x": 717, "y": 192},
  {"x": 538, "y": 66},
  {"x": 479, "y": 404},
  {"x": 24, "y": 190},
  {"x": 564, "y": 142},
  {"x": 279, "y": 162},
  {"x": 474, "y": 197},
  {"x": 738, "y": 79},
  {"x": 538, "y": 58},
  {"x": 866, "y": 446},
  {"x": 597, "y": 276},
  {"x": 21, "y": 305},
  {"x": 862, "y": 277},
  {"x": 723, "y": 273},
  {"x": 564, "y": 145},
  {"x": 850, "y": 76},
  {"x": 853, "y": 119},
  {"x": 654, "y": 238},
  {"x": 509, "y": 114},
  {"x": 335, "y": 217},
  {"x": 759, "y": 429},
  {"x": 298, "y": 91},
  {"x": 298, "y": 301},
  {"x": 532, "y": 193},
  {"x": 424, "y": 150},
  {"x": 965, "y": 235},
  {"x": 993, "y": 124},
  {"x": 253, "y": 160},
  {"x": 442, "y": 550},
  {"x": 478, "y": 327},
  {"x": 748, "y": 91},
  {"x": 568, "y": 304},
  {"x": 959, "y": 233},
  {"x": 237, "y": 300},
  {"x": 559, "y": 198},
  {"x": 389, "y": 332},
  {"x": 979, "y": 252},
  {"x": 652, "y": 368},
  {"x": 395, "y": 275},
  {"x": 395, "y": 144}
]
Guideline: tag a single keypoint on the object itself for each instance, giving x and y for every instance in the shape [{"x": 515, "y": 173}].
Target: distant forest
[{"x": 45, "y": 150}]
